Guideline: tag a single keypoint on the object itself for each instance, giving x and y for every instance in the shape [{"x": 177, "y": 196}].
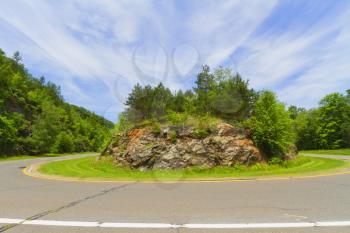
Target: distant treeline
[
  {"x": 34, "y": 118},
  {"x": 325, "y": 127}
]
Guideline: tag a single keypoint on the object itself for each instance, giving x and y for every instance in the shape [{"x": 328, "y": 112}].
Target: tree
[
  {"x": 306, "y": 126},
  {"x": 334, "y": 120},
  {"x": 64, "y": 143},
  {"x": 17, "y": 57},
  {"x": 205, "y": 85},
  {"x": 139, "y": 102},
  {"x": 271, "y": 126},
  {"x": 232, "y": 98},
  {"x": 161, "y": 101},
  {"x": 7, "y": 135},
  {"x": 294, "y": 111},
  {"x": 45, "y": 130},
  {"x": 179, "y": 102},
  {"x": 148, "y": 102}
]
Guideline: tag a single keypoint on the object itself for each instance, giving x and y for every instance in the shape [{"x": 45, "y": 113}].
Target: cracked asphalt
[{"x": 275, "y": 201}]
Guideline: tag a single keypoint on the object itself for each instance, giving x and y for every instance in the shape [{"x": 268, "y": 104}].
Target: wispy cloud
[{"x": 303, "y": 57}]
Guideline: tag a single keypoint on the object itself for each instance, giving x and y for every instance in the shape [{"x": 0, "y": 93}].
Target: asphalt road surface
[{"x": 295, "y": 205}]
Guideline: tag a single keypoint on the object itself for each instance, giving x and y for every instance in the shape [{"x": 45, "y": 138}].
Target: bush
[
  {"x": 207, "y": 122},
  {"x": 178, "y": 119},
  {"x": 122, "y": 125},
  {"x": 172, "y": 136},
  {"x": 271, "y": 126},
  {"x": 275, "y": 161},
  {"x": 156, "y": 129},
  {"x": 200, "y": 133}
]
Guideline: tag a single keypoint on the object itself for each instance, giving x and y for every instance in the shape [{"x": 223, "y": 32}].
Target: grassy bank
[
  {"x": 21, "y": 157},
  {"x": 105, "y": 169},
  {"x": 327, "y": 152}
]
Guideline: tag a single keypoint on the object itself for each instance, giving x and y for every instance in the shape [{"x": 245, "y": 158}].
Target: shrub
[
  {"x": 200, "y": 133},
  {"x": 239, "y": 167},
  {"x": 178, "y": 119},
  {"x": 122, "y": 125},
  {"x": 207, "y": 122},
  {"x": 156, "y": 128},
  {"x": 271, "y": 126},
  {"x": 275, "y": 161},
  {"x": 172, "y": 136}
]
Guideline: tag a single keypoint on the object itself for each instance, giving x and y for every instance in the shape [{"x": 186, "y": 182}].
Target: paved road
[{"x": 276, "y": 201}]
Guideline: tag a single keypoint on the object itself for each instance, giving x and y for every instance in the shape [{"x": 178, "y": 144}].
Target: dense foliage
[
  {"x": 271, "y": 125},
  {"x": 34, "y": 118},
  {"x": 327, "y": 127},
  {"x": 221, "y": 94}
]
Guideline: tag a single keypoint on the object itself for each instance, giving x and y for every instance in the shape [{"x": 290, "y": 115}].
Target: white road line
[
  {"x": 250, "y": 225},
  {"x": 331, "y": 224},
  {"x": 61, "y": 223},
  {"x": 11, "y": 220},
  {"x": 138, "y": 225},
  {"x": 168, "y": 225}
]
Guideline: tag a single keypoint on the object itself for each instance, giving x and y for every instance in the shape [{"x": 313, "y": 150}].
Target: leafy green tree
[
  {"x": 306, "y": 126},
  {"x": 190, "y": 102},
  {"x": 64, "y": 143},
  {"x": 271, "y": 126},
  {"x": 334, "y": 119},
  {"x": 7, "y": 135},
  {"x": 294, "y": 111},
  {"x": 45, "y": 130}
]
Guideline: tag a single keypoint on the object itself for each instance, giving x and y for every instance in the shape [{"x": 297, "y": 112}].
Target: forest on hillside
[
  {"x": 35, "y": 119},
  {"x": 223, "y": 94}
]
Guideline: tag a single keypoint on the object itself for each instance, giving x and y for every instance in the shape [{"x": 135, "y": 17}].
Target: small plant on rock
[
  {"x": 200, "y": 133},
  {"x": 172, "y": 136},
  {"x": 156, "y": 129}
]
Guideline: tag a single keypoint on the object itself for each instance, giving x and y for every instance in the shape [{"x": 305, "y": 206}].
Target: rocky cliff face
[{"x": 180, "y": 147}]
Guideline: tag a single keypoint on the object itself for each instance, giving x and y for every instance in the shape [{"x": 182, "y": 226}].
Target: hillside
[{"x": 35, "y": 119}]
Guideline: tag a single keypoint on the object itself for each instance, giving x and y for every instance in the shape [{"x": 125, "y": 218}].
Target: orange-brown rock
[{"x": 226, "y": 145}]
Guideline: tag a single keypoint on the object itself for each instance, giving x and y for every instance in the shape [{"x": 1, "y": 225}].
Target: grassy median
[
  {"x": 105, "y": 169},
  {"x": 327, "y": 152}
]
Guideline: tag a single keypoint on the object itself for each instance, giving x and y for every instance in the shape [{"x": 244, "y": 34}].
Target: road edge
[{"x": 32, "y": 171}]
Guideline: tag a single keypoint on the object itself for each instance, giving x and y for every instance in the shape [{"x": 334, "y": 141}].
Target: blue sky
[{"x": 97, "y": 50}]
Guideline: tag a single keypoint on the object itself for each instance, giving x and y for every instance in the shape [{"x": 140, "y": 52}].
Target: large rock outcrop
[{"x": 174, "y": 147}]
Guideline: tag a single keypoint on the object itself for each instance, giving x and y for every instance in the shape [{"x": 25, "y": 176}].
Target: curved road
[{"x": 294, "y": 205}]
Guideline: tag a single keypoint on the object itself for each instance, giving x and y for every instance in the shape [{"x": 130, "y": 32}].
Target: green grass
[
  {"x": 105, "y": 169},
  {"x": 21, "y": 157},
  {"x": 327, "y": 152}
]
